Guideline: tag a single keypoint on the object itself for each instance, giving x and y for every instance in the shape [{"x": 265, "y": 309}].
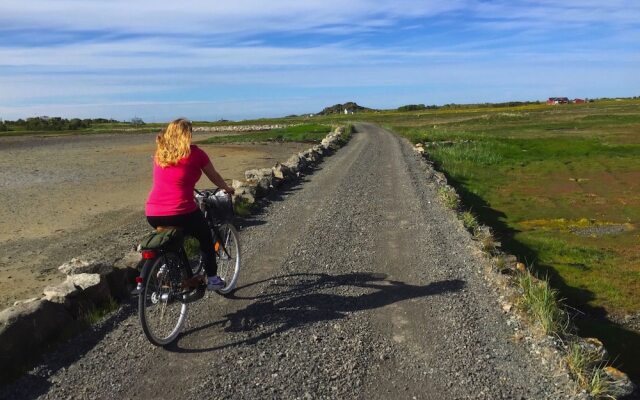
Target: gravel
[{"x": 356, "y": 283}]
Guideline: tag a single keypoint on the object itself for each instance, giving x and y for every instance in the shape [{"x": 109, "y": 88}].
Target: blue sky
[{"x": 203, "y": 60}]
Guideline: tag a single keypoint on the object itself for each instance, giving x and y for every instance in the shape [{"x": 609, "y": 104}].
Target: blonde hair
[{"x": 173, "y": 143}]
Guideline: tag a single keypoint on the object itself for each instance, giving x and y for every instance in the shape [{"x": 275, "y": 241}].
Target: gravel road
[{"x": 357, "y": 283}]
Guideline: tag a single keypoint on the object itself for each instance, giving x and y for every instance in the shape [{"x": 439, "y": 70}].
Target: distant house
[
  {"x": 558, "y": 100},
  {"x": 579, "y": 101}
]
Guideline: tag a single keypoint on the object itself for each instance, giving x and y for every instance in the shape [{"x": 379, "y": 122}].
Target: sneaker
[{"x": 215, "y": 283}]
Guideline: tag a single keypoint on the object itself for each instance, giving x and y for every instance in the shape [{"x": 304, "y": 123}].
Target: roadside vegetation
[
  {"x": 294, "y": 133},
  {"x": 560, "y": 188},
  {"x": 74, "y": 126}
]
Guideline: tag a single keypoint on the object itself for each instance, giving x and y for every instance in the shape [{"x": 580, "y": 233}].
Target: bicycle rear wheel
[
  {"x": 229, "y": 260},
  {"x": 162, "y": 314}
]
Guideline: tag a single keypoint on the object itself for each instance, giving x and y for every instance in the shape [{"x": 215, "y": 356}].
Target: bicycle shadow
[{"x": 305, "y": 301}]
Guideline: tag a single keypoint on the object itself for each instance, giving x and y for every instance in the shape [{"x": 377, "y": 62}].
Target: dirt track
[
  {"x": 83, "y": 196},
  {"x": 355, "y": 284}
]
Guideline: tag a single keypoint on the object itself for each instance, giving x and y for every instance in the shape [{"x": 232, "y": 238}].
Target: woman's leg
[{"x": 196, "y": 226}]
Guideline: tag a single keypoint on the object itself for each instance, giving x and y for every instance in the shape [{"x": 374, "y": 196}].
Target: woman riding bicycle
[{"x": 177, "y": 166}]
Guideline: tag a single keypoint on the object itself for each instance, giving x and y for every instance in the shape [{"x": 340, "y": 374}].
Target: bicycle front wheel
[
  {"x": 228, "y": 253},
  {"x": 161, "y": 311}
]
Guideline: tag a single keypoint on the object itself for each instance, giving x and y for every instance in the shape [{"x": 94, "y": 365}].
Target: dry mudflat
[{"x": 83, "y": 196}]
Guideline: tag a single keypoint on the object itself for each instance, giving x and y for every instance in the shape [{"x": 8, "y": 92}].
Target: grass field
[
  {"x": 561, "y": 187},
  {"x": 295, "y": 133}
]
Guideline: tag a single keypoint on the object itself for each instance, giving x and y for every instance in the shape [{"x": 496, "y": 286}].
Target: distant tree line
[
  {"x": 55, "y": 124},
  {"x": 416, "y": 107}
]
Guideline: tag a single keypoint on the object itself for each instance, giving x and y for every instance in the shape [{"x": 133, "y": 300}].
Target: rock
[
  {"x": 623, "y": 384},
  {"x": 31, "y": 300},
  {"x": 26, "y": 329},
  {"x": 510, "y": 260},
  {"x": 94, "y": 287},
  {"x": 245, "y": 191},
  {"x": 595, "y": 346},
  {"x": 59, "y": 293},
  {"x": 282, "y": 172},
  {"x": 309, "y": 155},
  {"x": 440, "y": 177},
  {"x": 129, "y": 260},
  {"x": 319, "y": 150},
  {"x": 79, "y": 266},
  {"x": 293, "y": 163},
  {"x": 237, "y": 184},
  {"x": 520, "y": 267},
  {"x": 240, "y": 128},
  {"x": 262, "y": 178},
  {"x": 84, "y": 281}
]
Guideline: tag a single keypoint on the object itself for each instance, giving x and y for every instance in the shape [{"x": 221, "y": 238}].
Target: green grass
[
  {"x": 469, "y": 220},
  {"x": 543, "y": 303},
  {"x": 449, "y": 197},
  {"x": 242, "y": 207},
  {"x": 589, "y": 371},
  {"x": 97, "y": 313},
  {"x": 296, "y": 133}
]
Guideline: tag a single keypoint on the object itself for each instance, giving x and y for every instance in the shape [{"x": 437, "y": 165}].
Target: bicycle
[{"x": 169, "y": 281}]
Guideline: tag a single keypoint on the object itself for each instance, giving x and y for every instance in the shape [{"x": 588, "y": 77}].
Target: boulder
[
  {"x": 319, "y": 150},
  {"x": 596, "y": 347},
  {"x": 26, "y": 330},
  {"x": 244, "y": 190},
  {"x": 262, "y": 178},
  {"x": 60, "y": 293},
  {"x": 293, "y": 163},
  {"x": 330, "y": 140},
  {"x": 309, "y": 155},
  {"x": 31, "y": 300},
  {"x": 130, "y": 260},
  {"x": 282, "y": 172},
  {"x": 94, "y": 288},
  {"x": 623, "y": 385},
  {"x": 79, "y": 266}
]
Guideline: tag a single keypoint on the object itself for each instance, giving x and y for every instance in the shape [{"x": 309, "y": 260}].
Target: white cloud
[
  {"x": 214, "y": 17},
  {"x": 110, "y": 52}
]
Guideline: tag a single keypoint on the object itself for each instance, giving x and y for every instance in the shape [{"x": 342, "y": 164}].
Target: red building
[{"x": 558, "y": 100}]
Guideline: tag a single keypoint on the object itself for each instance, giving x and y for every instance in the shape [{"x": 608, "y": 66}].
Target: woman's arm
[{"x": 217, "y": 180}]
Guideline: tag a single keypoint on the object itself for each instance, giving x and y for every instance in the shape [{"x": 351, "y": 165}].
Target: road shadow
[
  {"x": 33, "y": 384},
  {"x": 296, "y": 300}
]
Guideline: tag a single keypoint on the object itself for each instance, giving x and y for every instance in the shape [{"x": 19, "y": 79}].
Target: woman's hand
[{"x": 229, "y": 190}]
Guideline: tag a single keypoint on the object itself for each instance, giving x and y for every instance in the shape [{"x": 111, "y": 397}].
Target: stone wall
[
  {"x": 239, "y": 128},
  {"x": 259, "y": 183}
]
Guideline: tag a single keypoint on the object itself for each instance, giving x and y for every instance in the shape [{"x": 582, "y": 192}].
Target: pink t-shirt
[{"x": 172, "y": 190}]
